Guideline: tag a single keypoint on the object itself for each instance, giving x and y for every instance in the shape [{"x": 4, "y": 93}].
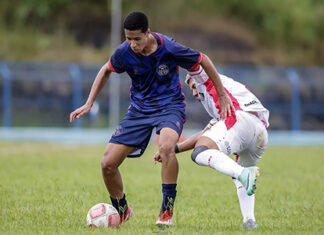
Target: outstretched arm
[
  {"x": 99, "y": 82},
  {"x": 189, "y": 143}
]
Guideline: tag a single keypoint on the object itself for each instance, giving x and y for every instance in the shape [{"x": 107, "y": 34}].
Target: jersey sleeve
[
  {"x": 115, "y": 62},
  {"x": 185, "y": 57}
]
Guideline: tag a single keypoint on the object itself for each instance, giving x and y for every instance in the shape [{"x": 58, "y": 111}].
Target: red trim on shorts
[
  {"x": 265, "y": 124},
  {"x": 110, "y": 66},
  {"x": 236, "y": 157},
  {"x": 195, "y": 66}
]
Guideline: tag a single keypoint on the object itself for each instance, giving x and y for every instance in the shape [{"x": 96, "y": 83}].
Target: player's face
[
  {"x": 193, "y": 88},
  {"x": 137, "y": 39}
]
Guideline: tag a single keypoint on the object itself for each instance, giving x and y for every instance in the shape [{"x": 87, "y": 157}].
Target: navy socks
[
  {"x": 120, "y": 204},
  {"x": 169, "y": 194}
]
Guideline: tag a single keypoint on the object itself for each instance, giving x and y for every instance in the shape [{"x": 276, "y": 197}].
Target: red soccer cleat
[
  {"x": 126, "y": 216},
  {"x": 165, "y": 219}
]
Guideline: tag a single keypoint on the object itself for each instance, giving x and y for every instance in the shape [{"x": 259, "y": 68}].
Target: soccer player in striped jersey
[
  {"x": 244, "y": 134},
  {"x": 152, "y": 62}
]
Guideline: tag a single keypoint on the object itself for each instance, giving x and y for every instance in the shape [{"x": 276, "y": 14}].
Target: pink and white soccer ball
[{"x": 103, "y": 215}]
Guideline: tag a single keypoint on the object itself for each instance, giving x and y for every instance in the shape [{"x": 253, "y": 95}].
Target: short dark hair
[{"x": 136, "y": 20}]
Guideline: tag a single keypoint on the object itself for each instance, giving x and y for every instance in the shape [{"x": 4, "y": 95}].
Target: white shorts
[{"x": 248, "y": 138}]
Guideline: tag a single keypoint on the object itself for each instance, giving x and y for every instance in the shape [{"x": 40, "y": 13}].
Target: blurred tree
[{"x": 296, "y": 25}]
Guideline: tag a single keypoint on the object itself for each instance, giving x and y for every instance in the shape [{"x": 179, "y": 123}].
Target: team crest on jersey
[{"x": 162, "y": 70}]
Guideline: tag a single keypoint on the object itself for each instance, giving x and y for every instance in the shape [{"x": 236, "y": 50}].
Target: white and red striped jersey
[{"x": 242, "y": 98}]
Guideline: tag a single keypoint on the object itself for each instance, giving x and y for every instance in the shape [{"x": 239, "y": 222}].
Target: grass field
[{"x": 48, "y": 189}]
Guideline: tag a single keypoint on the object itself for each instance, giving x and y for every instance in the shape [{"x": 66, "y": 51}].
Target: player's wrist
[
  {"x": 176, "y": 149},
  {"x": 223, "y": 94},
  {"x": 89, "y": 103}
]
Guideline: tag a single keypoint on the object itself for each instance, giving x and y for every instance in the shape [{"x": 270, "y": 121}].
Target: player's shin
[
  {"x": 246, "y": 202},
  {"x": 216, "y": 160}
]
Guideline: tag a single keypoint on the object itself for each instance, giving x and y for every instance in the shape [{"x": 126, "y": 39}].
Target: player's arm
[
  {"x": 189, "y": 143},
  {"x": 224, "y": 101},
  {"x": 99, "y": 82}
]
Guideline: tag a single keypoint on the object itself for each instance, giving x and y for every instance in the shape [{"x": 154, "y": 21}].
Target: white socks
[
  {"x": 246, "y": 202},
  {"x": 224, "y": 164},
  {"x": 220, "y": 162}
]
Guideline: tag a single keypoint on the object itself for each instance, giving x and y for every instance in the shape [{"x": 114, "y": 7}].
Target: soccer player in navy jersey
[{"x": 157, "y": 101}]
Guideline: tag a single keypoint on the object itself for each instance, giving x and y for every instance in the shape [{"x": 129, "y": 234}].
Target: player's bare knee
[
  {"x": 107, "y": 166},
  {"x": 197, "y": 151},
  {"x": 166, "y": 150}
]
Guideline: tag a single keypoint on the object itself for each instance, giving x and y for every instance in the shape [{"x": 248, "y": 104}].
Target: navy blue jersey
[{"x": 155, "y": 78}]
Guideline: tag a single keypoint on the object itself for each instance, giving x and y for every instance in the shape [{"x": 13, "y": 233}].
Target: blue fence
[{"x": 43, "y": 94}]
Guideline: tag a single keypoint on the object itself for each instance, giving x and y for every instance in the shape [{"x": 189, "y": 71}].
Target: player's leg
[
  {"x": 130, "y": 139},
  {"x": 249, "y": 158},
  {"x": 246, "y": 202},
  {"x": 224, "y": 141},
  {"x": 167, "y": 142},
  {"x": 169, "y": 173},
  {"x": 207, "y": 153},
  {"x": 169, "y": 127},
  {"x": 113, "y": 157}
]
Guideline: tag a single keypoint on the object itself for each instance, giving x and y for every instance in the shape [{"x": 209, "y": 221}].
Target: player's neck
[{"x": 151, "y": 46}]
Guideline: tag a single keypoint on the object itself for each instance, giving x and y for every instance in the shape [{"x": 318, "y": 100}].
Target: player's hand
[
  {"x": 226, "y": 106},
  {"x": 80, "y": 112},
  {"x": 157, "y": 158}
]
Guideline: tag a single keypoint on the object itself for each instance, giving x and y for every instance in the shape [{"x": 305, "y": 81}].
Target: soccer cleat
[
  {"x": 248, "y": 179},
  {"x": 124, "y": 217},
  {"x": 165, "y": 219},
  {"x": 250, "y": 224}
]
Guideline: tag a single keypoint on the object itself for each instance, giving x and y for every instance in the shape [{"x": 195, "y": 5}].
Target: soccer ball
[{"x": 103, "y": 215}]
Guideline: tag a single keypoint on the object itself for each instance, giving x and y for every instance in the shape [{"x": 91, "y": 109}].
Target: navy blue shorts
[{"x": 136, "y": 128}]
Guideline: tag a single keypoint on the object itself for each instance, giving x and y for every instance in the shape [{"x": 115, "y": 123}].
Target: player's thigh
[
  {"x": 251, "y": 155},
  {"x": 225, "y": 140},
  {"x": 260, "y": 141},
  {"x": 135, "y": 130},
  {"x": 172, "y": 119},
  {"x": 246, "y": 158},
  {"x": 115, "y": 154},
  {"x": 235, "y": 139},
  {"x": 169, "y": 126},
  {"x": 168, "y": 137}
]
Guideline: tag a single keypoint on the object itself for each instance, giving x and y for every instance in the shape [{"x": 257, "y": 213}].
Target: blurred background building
[{"x": 50, "y": 52}]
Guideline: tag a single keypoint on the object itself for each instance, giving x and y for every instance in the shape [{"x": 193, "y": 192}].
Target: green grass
[{"x": 48, "y": 189}]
